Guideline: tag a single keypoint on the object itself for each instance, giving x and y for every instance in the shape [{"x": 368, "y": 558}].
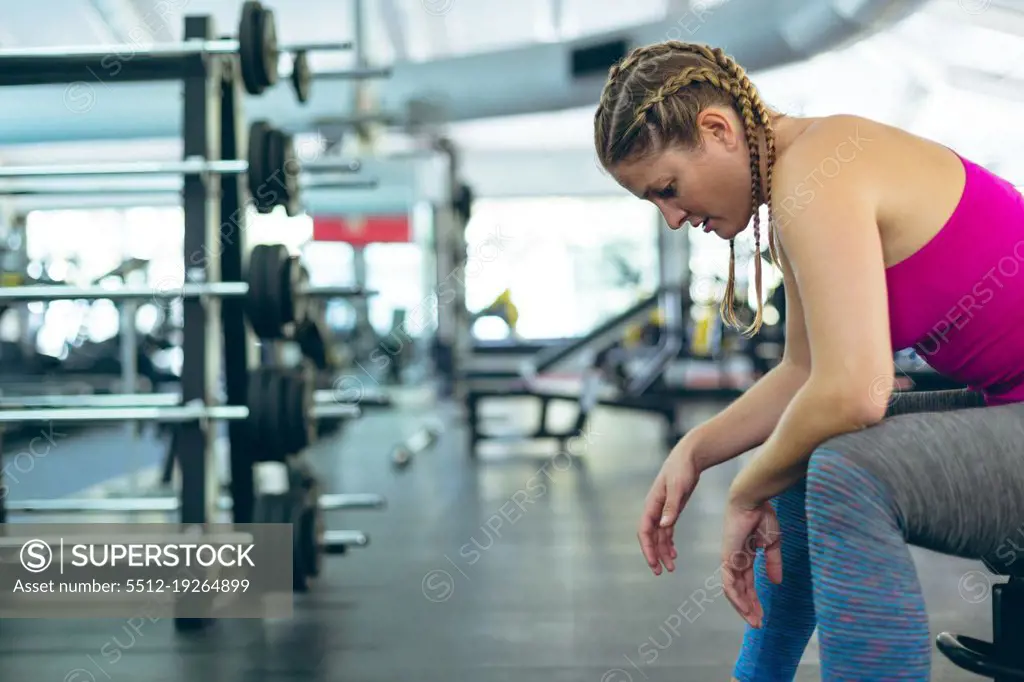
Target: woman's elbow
[
  {"x": 865, "y": 413},
  {"x": 859, "y": 404}
]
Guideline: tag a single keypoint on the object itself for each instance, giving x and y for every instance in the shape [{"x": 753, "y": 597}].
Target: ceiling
[
  {"x": 394, "y": 29},
  {"x": 953, "y": 71}
]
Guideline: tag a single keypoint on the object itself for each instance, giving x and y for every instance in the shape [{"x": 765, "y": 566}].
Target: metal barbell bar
[
  {"x": 255, "y": 45},
  {"x": 140, "y": 505},
  {"x": 174, "y": 413},
  {"x": 43, "y": 292},
  {"x": 190, "y": 166},
  {"x": 354, "y": 74},
  {"x": 321, "y": 398},
  {"x": 178, "y": 413},
  {"x": 59, "y": 54}
]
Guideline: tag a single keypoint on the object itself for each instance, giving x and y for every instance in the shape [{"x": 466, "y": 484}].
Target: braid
[
  {"x": 661, "y": 116},
  {"x": 693, "y": 74}
]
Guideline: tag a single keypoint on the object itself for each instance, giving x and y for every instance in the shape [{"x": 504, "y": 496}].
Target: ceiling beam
[
  {"x": 557, "y": 8},
  {"x": 162, "y": 17},
  {"x": 124, "y": 20},
  {"x": 394, "y": 27},
  {"x": 673, "y": 8},
  {"x": 988, "y": 14},
  {"x": 1003, "y": 86},
  {"x": 433, "y": 25}
]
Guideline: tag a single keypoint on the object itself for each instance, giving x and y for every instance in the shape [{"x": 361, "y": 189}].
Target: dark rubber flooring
[{"x": 503, "y": 569}]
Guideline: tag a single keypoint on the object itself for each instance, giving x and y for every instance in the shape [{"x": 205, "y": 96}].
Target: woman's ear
[{"x": 716, "y": 125}]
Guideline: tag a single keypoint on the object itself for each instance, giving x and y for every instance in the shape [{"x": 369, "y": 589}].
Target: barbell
[
  {"x": 256, "y": 46},
  {"x": 279, "y": 413},
  {"x": 276, "y": 294}
]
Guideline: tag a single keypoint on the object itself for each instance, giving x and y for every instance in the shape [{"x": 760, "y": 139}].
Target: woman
[{"x": 885, "y": 241}]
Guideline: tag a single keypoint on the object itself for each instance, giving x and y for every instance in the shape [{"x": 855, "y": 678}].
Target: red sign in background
[{"x": 362, "y": 231}]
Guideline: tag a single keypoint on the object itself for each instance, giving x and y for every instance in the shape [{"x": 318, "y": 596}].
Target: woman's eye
[{"x": 667, "y": 193}]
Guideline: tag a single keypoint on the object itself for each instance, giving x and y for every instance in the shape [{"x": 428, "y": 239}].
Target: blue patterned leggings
[{"x": 940, "y": 472}]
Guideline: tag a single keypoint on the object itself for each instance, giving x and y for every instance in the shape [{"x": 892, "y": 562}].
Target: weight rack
[{"x": 212, "y": 130}]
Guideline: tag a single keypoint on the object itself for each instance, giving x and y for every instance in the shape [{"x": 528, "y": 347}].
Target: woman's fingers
[
  {"x": 738, "y": 586},
  {"x": 648, "y": 530},
  {"x": 665, "y": 549}
]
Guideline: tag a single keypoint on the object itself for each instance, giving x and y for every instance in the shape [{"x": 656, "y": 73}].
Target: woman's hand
[
  {"x": 669, "y": 494},
  {"x": 746, "y": 531}
]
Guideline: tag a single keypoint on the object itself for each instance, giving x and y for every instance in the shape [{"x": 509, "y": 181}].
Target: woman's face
[{"x": 707, "y": 187}]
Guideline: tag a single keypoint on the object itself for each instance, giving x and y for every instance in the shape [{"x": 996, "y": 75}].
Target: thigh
[{"x": 955, "y": 478}]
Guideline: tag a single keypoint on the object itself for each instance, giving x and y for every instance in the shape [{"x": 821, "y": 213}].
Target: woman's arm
[
  {"x": 752, "y": 417},
  {"x": 833, "y": 246},
  {"x": 748, "y": 421}
]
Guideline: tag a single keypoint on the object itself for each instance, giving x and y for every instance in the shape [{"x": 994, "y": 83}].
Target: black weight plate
[
  {"x": 257, "y": 403},
  {"x": 286, "y": 418},
  {"x": 292, "y": 168},
  {"x": 311, "y": 343},
  {"x": 267, "y": 447},
  {"x": 277, "y": 445},
  {"x": 297, "y": 424},
  {"x": 301, "y": 303},
  {"x": 289, "y": 278},
  {"x": 311, "y": 533},
  {"x": 273, "y": 191},
  {"x": 279, "y": 159},
  {"x": 268, "y": 48},
  {"x": 293, "y": 415},
  {"x": 249, "y": 53},
  {"x": 257, "y": 158},
  {"x": 302, "y": 76},
  {"x": 277, "y": 183},
  {"x": 284, "y": 508},
  {"x": 255, "y": 298},
  {"x": 303, "y": 414},
  {"x": 291, "y": 395},
  {"x": 277, "y": 260}
]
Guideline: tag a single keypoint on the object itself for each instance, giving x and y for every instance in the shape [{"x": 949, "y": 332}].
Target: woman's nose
[{"x": 675, "y": 217}]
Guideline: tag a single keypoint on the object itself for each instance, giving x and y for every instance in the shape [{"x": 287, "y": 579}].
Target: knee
[{"x": 841, "y": 492}]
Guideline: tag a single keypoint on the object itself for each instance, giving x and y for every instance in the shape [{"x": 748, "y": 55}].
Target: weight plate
[
  {"x": 302, "y": 77},
  {"x": 304, "y": 415},
  {"x": 268, "y": 48},
  {"x": 298, "y": 413},
  {"x": 286, "y": 418},
  {"x": 291, "y": 167},
  {"x": 287, "y": 175},
  {"x": 257, "y": 158},
  {"x": 249, "y": 53},
  {"x": 311, "y": 343},
  {"x": 289, "y": 278},
  {"x": 311, "y": 534},
  {"x": 286, "y": 508},
  {"x": 274, "y": 302},
  {"x": 255, "y": 298},
  {"x": 301, "y": 303},
  {"x": 277, "y": 428},
  {"x": 257, "y": 403},
  {"x": 273, "y": 179},
  {"x": 292, "y": 396}
]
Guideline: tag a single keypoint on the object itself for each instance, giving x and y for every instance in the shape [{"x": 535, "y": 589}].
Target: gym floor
[{"x": 501, "y": 569}]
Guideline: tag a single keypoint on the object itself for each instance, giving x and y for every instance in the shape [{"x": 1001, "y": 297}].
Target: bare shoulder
[
  {"x": 831, "y": 146},
  {"x": 833, "y": 162}
]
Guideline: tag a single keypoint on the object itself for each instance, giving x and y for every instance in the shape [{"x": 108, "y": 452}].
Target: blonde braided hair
[{"x": 650, "y": 103}]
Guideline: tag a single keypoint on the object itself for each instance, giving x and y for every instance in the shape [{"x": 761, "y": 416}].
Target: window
[{"x": 570, "y": 263}]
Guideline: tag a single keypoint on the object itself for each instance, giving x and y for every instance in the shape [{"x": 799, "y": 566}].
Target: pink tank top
[{"x": 959, "y": 300}]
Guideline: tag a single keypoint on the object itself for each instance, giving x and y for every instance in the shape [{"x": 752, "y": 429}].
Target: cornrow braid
[{"x": 683, "y": 79}]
